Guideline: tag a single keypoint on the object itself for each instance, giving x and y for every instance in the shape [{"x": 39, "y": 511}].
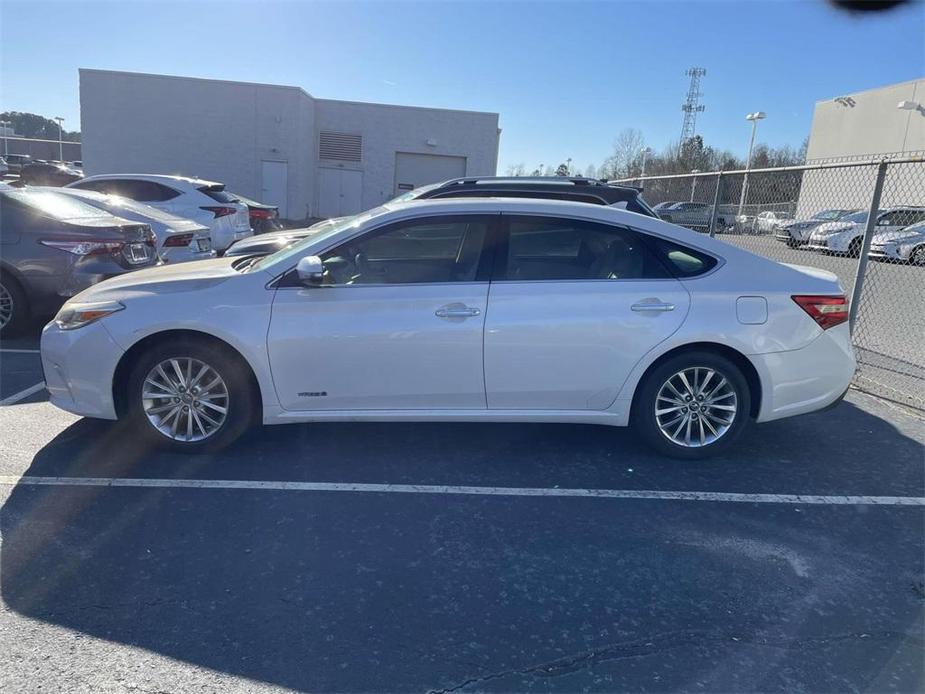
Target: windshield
[
  {"x": 55, "y": 205},
  {"x": 325, "y": 229},
  {"x": 857, "y": 217},
  {"x": 115, "y": 203},
  {"x": 829, "y": 215}
]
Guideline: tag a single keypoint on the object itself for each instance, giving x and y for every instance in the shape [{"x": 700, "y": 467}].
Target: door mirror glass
[{"x": 310, "y": 271}]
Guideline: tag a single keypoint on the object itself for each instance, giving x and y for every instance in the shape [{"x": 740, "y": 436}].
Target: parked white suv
[{"x": 202, "y": 201}]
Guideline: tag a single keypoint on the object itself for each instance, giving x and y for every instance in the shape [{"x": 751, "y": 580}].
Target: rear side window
[
  {"x": 141, "y": 191},
  {"x": 681, "y": 260},
  {"x": 545, "y": 248},
  {"x": 218, "y": 194}
]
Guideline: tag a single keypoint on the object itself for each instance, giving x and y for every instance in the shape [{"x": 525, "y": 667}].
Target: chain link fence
[{"x": 863, "y": 221}]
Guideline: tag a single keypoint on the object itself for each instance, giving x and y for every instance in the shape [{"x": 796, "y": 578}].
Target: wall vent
[{"x": 340, "y": 146}]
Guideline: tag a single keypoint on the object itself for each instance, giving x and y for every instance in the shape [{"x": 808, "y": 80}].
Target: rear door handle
[
  {"x": 457, "y": 312},
  {"x": 654, "y": 306}
]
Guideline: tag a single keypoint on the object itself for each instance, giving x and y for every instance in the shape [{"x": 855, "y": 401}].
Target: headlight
[{"x": 77, "y": 315}]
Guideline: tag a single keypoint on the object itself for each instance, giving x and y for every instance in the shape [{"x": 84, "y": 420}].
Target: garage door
[{"x": 414, "y": 170}]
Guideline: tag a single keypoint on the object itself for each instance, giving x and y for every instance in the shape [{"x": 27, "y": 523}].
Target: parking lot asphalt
[{"x": 470, "y": 567}]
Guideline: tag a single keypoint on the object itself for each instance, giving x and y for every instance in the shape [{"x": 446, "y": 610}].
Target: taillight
[
  {"x": 827, "y": 311},
  {"x": 178, "y": 240},
  {"x": 220, "y": 211},
  {"x": 85, "y": 246},
  {"x": 262, "y": 214}
]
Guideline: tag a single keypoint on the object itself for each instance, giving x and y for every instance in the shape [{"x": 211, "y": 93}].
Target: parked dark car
[
  {"x": 263, "y": 217},
  {"x": 54, "y": 246},
  {"x": 15, "y": 162},
  {"x": 48, "y": 174},
  {"x": 576, "y": 189},
  {"x": 588, "y": 190}
]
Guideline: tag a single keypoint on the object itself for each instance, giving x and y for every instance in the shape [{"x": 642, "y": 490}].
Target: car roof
[{"x": 156, "y": 178}]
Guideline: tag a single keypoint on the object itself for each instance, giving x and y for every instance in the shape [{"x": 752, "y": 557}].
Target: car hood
[
  {"x": 899, "y": 235},
  {"x": 164, "y": 279},
  {"x": 834, "y": 227},
  {"x": 799, "y": 224}
]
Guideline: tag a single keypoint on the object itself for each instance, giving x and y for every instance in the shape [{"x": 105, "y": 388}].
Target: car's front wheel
[
  {"x": 917, "y": 257},
  {"x": 694, "y": 405},
  {"x": 190, "y": 395}
]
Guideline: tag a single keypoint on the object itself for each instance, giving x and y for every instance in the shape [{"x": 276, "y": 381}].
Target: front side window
[
  {"x": 432, "y": 250},
  {"x": 543, "y": 248}
]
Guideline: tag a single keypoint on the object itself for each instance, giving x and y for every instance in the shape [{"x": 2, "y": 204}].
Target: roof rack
[{"x": 576, "y": 180}]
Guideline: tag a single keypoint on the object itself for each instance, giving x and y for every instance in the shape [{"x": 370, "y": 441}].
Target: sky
[{"x": 565, "y": 77}]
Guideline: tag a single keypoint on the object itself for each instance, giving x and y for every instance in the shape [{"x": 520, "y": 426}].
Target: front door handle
[
  {"x": 655, "y": 306},
  {"x": 457, "y": 312}
]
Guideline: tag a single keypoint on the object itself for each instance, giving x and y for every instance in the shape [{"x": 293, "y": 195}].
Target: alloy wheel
[
  {"x": 185, "y": 399},
  {"x": 696, "y": 407},
  {"x": 6, "y": 306},
  {"x": 917, "y": 258}
]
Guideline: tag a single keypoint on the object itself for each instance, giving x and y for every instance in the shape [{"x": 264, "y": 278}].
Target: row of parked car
[
  {"x": 899, "y": 233},
  {"x": 58, "y": 240}
]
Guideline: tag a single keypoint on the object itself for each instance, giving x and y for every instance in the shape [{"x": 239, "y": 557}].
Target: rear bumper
[
  {"x": 808, "y": 379},
  {"x": 79, "y": 366}
]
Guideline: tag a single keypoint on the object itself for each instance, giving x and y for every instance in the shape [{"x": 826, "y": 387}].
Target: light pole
[
  {"x": 694, "y": 183},
  {"x": 754, "y": 118},
  {"x": 645, "y": 152},
  {"x": 568, "y": 166},
  {"x": 6, "y": 138},
  {"x": 60, "y": 138}
]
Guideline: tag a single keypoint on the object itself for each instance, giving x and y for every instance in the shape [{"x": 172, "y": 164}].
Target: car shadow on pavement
[{"x": 364, "y": 591}]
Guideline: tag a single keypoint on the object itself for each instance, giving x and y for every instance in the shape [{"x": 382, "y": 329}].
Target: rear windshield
[
  {"x": 218, "y": 194},
  {"x": 55, "y": 205}
]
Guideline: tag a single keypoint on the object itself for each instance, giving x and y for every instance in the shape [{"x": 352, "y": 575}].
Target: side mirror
[{"x": 310, "y": 270}]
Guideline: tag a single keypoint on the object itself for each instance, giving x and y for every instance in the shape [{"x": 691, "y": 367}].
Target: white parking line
[
  {"x": 733, "y": 497},
  {"x": 4, "y": 350},
  {"x": 22, "y": 395}
]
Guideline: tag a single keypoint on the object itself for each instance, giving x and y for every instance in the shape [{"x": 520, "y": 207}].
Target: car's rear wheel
[
  {"x": 190, "y": 395},
  {"x": 694, "y": 405},
  {"x": 14, "y": 309},
  {"x": 917, "y": 257}
]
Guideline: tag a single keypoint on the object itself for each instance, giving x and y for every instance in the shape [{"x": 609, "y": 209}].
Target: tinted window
[
  {"x": 903, "y": 217},
  {"x": 438, "y": 249},
  {"x": 218, "y": 194},
  {"x": 142, "y": 191},
  {"x": 541, "y": 248},
  {"x": 681, "y": 260}
]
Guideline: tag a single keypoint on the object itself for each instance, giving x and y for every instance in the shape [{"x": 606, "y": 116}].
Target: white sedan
[
  {"x": 179, "y": 240},
  {"x": 460, "y": 310}
]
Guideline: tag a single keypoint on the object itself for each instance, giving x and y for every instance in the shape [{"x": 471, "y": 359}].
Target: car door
[
  {"x": 573, "y": 306},
  {"x": 397, "y": 323}
]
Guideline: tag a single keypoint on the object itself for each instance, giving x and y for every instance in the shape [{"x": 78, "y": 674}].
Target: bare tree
[
  {"x": 516, "y": 170},
  {"x": 591, "y": 171},
  {"x": 627, "y": 148}
]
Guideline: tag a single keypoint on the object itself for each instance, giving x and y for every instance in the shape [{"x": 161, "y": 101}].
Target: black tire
[
  {"x": 917, "y": 257},
  {"x": 644, "y": 419},
  {"x": 13, "y": 299},
  {"x": 242, "y": 402},
  {"x": 854, "y": 248}
]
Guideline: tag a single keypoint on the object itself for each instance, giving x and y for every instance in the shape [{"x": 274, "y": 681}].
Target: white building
[
  {"x": 311, "y": 157},
  {"x": 866, "y": 126}
]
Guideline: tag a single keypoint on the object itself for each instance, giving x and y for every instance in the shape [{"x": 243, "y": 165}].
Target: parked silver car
[
  {"x": 55, "y": 246},
  {"x": 906, "y": 245},
  {"x": 178, "y": 239},
  {"x": 796, "y": 233}
]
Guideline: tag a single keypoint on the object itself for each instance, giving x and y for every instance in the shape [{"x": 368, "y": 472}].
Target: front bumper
[
  {"x": 79, "y": 366},
  {"x": 888, "y": 251}
]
